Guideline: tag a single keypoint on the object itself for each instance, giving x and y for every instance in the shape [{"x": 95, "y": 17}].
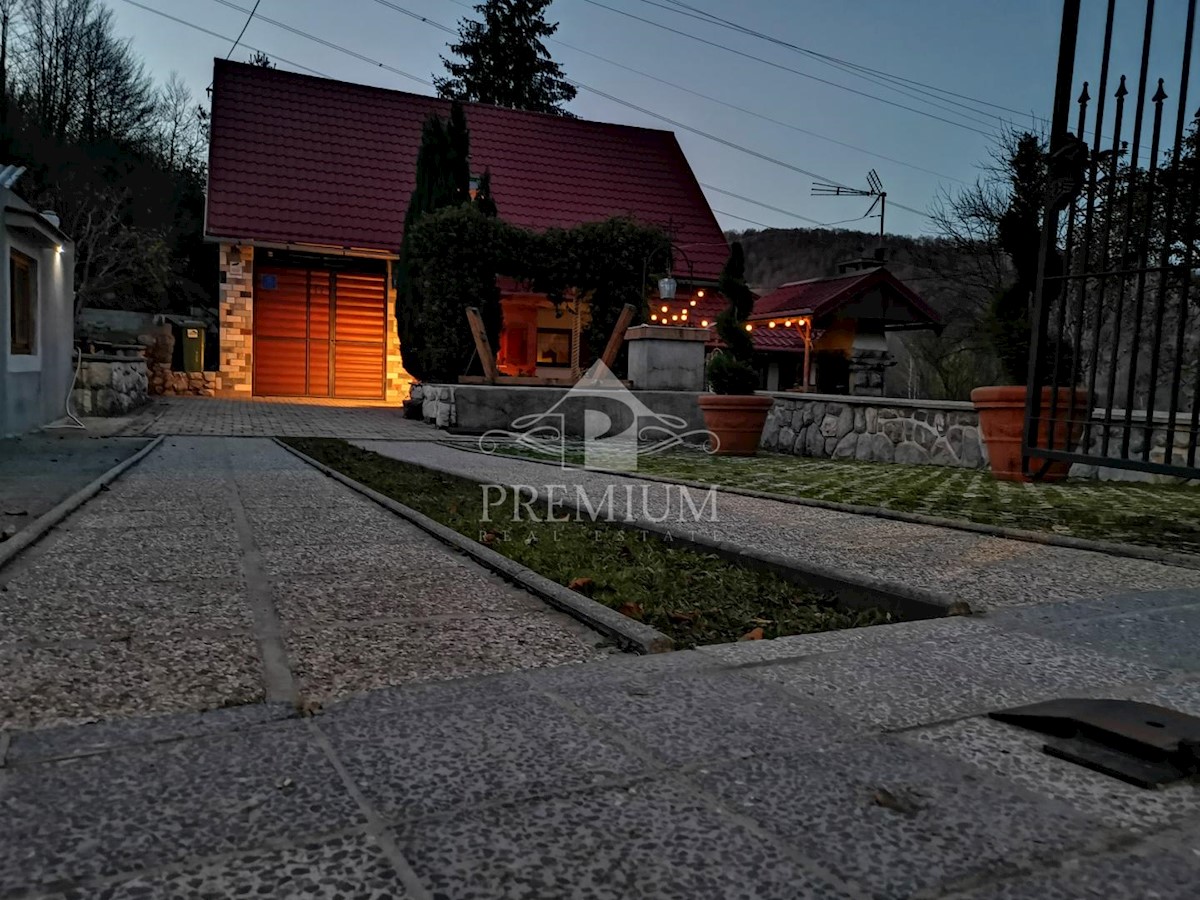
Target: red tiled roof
[
  {"x": 298, "y": 159},
  {"x": 819, "y": 297}
]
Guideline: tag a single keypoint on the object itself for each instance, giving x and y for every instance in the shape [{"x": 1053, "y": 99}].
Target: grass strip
[{"x": 695, "y": 598}]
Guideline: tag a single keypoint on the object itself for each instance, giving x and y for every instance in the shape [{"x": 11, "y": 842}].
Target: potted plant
[{"x": 732, "y": 412}]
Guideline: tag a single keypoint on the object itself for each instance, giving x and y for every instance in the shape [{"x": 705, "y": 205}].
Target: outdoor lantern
[{"x": 666, "y": 288}]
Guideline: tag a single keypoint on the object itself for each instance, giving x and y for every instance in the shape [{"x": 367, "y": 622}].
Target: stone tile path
[
  {"x": 989, "y": 573},
  {"x": 271, "y": 417},
  {"x": 856, "y": 764},
  {"x": 853, "y": 764},
  {"x": 220, "y": 572}
]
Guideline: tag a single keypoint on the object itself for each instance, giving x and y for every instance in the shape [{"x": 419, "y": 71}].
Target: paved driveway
[
  {"x": 220, "y": 572},
  {"x": 268, "y": 417}
]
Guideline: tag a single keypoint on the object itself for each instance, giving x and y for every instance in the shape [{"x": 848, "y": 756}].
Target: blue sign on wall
[{"x": 267, "y": 283}]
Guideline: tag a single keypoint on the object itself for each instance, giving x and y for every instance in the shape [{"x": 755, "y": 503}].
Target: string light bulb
[
  {"x": 749, "y": 327},
  {"x": 704, "y": 322},
  {"x": 693, "y": 303},
  {"x": 664, "y": 309},
  {"x": 771, "y": 324},
  {"x": 654, "y": 317},
  {"x": 700, "y": 293}
]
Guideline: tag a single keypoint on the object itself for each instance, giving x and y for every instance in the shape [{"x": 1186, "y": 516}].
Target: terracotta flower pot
[
  {"x": 1002, "y": 423},
  {"x": 736, "y": 421}
]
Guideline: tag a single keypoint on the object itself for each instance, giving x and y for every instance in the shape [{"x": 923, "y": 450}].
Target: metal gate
[{"x": 1114, "y": 376}]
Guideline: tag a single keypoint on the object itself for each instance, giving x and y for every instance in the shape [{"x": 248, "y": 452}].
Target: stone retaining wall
[
  {"x": 165, "y": 381},
  {"x": 877, "y": 429},
  {"x": 110, "y": 385}
]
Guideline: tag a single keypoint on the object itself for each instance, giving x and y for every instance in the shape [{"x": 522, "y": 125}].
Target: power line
[
  {"x": 782, "y": 67},
  {"x": 674, "y": 123},
  {"x": 222, "y": 37},
  {"x": 242, "y": 33},
  {"x": 682, "y": 8},
  {"x": 715, "y": 189},
  {"x": 729, "y": 215},
  {"x": 330, "y": 44}
]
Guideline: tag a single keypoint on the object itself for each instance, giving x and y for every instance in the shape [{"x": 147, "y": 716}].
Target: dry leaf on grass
[{"x": 754, "y": 634}]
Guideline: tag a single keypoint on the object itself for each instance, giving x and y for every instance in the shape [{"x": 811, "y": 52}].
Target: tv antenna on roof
[{"x": 874, "y": 189}]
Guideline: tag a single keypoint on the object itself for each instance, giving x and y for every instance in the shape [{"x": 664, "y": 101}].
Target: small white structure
[{"x": 37, "y": 313}]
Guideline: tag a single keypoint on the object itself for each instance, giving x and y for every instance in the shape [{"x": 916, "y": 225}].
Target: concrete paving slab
[
  {"x": 1161, "y": 875},
  {"x": 53, "y": 684},
  {"x": 165, "y": 804},
  {"x": 32, "y": 613},
  {"x": 695, "y": 717},
  {"x": 434, "y": 761},
  {"x": 1015, "y": 754},
  {"x": 340, "y": 660},
  {"x": 333, "y": 869},
  {"x": 898, "y": 818},
  {"x": 641, "y": 841},
  {"x": 898, "y": 686}
]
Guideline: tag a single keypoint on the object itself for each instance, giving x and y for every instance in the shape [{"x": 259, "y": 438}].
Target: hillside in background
[{"x": 958, "y": 287}]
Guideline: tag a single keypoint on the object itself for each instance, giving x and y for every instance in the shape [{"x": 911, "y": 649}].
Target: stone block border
[
  {"x": 36, "y": 529},
  {"x": 625, "y": 631}
]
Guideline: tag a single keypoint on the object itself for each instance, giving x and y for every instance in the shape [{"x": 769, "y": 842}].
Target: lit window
[{"x": 22, "y": 291}]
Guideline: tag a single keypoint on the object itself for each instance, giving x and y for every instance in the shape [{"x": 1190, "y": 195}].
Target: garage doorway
[{"x": 320, "y": 331}]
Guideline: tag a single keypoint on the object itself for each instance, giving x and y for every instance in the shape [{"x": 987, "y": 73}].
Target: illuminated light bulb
[
  {"x": 699, "y": 293},
  {"x": 654, "y": 317},
  {"x": 693, "y": 303},
  {"x": 674, "y": 318},
  {"x": 749, "y": 327},
  {"x": 788, "y": 323},
  {"x": 664, "y": 309},
  {"x": 771, "y": 325},
  {"x": 704, "y": 322}
]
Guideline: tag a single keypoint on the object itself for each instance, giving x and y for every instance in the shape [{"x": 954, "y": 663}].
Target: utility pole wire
[{"x": 237, "y": 40}]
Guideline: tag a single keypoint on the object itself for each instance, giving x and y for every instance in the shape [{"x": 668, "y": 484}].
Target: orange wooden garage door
[{"x": 319, "y": 333}]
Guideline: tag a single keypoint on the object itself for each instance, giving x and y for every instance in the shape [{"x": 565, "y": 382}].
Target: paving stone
[
  {"x": 691, "y": 717},
  {"x": 430, "y": 761},
  {"x": 898, "y": 686},
  {"x": 898, "y": 818},
  {"x": 636, "y": 843},
  {"x": 211, "y": 514},
  {"x": 195, "y": 553},
  {"x": 336, "y": 661},
  {"x": 1148, "y": 875},
  {"x": 101, "y": 737},
  {"x": 31, "y": 612},
  {"x": 127, "y": 811},
  {"x": 342, "y": 868},
  {"x": 1166, "y": 638},
  {"x": 801, "y": 645},
  {"x": 308, "y": 602},
  {"x": 62, "y": 683},
  {"x": 347, "y": 554},
  {"x": 1016, "y": 755}
]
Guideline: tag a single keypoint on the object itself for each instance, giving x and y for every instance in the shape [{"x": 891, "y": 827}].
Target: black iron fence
[{"x": 1115, "y": 366}]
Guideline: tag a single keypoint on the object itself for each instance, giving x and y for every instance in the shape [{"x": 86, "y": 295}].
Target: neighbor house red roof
[
  {"x": 304, "y": 160},
  {"x": 818, "y": 297}
]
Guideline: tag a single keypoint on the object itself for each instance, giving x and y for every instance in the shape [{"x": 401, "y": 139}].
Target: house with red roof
[{"x": 309, "y": 180}]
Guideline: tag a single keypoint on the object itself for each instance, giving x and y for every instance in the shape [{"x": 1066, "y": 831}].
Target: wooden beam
[
  {"x": 618, "y": 335},
  {"x": 486, "y": 357}
]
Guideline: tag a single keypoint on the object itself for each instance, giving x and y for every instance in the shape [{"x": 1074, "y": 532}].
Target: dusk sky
[{"x": 991, "y": 53}]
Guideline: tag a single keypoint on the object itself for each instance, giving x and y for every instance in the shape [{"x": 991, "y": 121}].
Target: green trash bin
[{"x": 193, "y": 348}]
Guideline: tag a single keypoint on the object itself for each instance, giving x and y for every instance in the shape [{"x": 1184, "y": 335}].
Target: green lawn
[
  {"x": 693, "y": 597},
  {"x": 1164, "y": 516}
]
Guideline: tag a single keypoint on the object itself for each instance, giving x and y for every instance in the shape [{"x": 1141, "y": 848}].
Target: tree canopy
[{"x": 501, "y": 59}]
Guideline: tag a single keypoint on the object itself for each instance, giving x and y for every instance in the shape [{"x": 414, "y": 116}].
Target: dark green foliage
[
  {"x": 1019, "y": 234},
  {"x": 443, "y": 178},
  {"x": 459, "y": 250},
  {"x": 502, "y": 59},
  {"x": 693, "y": 597},
  {"x": 483, "y": 200},
  {"x": 729, "y": 370},
  {"x": 727, "y": 375}
]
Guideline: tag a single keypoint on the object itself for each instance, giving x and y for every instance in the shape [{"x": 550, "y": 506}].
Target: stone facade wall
[
  {"x": 875, "y": 429},
  {"x": 110, "y": 385},
  {"x": 236, "y": 310},
  {"x": 1137, "y": 442},
  {"x": 437, "y": 403}
]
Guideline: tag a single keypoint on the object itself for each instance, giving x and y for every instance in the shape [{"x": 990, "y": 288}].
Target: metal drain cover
[{"x": 1146, "y": 745}]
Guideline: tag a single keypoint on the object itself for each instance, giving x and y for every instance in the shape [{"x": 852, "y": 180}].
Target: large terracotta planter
[
  {"x": 1002, "y": 422},
  {"x": 736, "y": 421}
]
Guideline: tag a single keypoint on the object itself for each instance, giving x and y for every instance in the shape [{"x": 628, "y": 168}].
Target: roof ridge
[{"x": 219, "y": 63}]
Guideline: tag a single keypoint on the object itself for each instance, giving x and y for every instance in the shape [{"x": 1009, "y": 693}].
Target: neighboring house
[
  {"x": 309, "y": 180},
  {"x": 37, "y": 313},
  {"x": 842, "y": 321}
]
